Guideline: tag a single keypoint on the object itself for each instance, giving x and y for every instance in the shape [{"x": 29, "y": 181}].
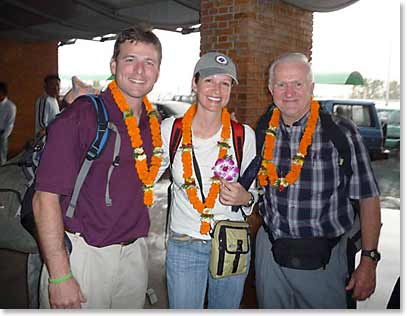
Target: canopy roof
[
  {"x": 61, "y": 20},
  {"x": 351, "y": 78}
]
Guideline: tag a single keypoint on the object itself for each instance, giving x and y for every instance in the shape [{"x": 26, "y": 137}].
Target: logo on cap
[{"x": 221, "y": 60}]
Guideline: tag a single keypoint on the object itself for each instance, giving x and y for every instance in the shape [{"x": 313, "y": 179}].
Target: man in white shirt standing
[
  {"x": 7, "y": 117},
  {"x": 47, "y": 105}
]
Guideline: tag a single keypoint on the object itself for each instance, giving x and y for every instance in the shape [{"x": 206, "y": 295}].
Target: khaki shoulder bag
[{"x": 230, "y": 248}]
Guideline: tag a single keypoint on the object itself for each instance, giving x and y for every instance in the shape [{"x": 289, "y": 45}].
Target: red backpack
[
  {"x": 175, "y": 139},
  {"x": 237, "y": 134}
]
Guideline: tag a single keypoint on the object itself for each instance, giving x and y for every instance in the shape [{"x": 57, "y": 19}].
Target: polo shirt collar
[{"x": 301, "y": 122}]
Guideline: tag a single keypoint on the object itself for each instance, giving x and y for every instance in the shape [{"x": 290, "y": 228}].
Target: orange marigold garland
[
  {"x": 268, "y": 172},
  {"x": 146, "y": 174},
  {"x": 189, "y": 182}
]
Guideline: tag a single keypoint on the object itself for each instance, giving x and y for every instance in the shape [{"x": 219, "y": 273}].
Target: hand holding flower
[{"x": 233, "y": 193}]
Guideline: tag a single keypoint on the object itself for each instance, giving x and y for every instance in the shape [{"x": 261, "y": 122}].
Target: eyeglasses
[{"x": 296, "y": 85}]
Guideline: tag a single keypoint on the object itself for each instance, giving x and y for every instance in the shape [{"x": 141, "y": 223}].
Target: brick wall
[
  {"x": 253, "y": 33},
  {"x": 23, "y": 67}
]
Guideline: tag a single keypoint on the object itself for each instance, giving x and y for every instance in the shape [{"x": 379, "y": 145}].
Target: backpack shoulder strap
[
  {"x": 102, "y": 132},
  {"x": 238, "y": 140},
  {"x": 94, "y": 151},
  {"x": 175, "y": 139},
  {"x": 338, "y": 138},
  {"x": 261, "y": 127}
]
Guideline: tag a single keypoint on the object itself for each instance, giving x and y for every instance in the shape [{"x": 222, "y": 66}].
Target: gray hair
[{"x": 291, "y": 57}]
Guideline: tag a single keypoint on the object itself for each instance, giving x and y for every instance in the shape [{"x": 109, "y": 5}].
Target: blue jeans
[{"x": 188, "y": 276}]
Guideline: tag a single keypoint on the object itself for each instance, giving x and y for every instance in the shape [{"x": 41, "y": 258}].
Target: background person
[
  {"x": 7, "y": 117},
  {"x": 205, "y": 125},
  {"x": 108, "y": 266},
  {"x": 47, "y": 105},
  {"x": 306, "y": 200}
]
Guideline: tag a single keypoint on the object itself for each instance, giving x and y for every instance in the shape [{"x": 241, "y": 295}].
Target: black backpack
[{"x": 18, "y": 178}]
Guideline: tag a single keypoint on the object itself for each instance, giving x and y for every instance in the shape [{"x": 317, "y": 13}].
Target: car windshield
[{"x": 358, "y": 113}]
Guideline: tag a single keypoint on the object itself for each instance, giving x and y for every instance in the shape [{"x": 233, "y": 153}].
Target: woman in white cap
[{"x": 201, "y": 194}]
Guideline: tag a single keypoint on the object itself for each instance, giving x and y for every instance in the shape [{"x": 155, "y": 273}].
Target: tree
[
  {"x": 394, "y": 90},
  {"x": 371, "y": 89},
  {"x": 375, "y": 89}
]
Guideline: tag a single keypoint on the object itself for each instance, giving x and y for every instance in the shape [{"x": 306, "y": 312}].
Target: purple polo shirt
[{"x": 69, "y": 137}]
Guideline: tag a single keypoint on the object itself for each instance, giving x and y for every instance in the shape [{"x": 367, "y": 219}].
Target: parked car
[
  {"x": 364, "y": 114},
  {"x": 183, "y": 98},
  {"x": 389, "y": 116},
  {"x": 167, "y": 108}
]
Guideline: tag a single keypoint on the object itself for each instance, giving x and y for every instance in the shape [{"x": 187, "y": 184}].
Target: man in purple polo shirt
[{"x": 108, "y": 265}]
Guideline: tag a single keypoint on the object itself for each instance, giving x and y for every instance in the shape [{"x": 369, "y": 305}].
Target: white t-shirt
[
  {"x": 46, "y": 109},
  {"x": 7, "y": 117},
  {"x": 184, "y": 218}
]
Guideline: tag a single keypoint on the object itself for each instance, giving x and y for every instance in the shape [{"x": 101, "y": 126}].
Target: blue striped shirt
[{"x": 317, "y": 204}]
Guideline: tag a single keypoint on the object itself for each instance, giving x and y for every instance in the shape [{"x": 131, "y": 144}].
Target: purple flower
[{"x": 226, "y": 168}]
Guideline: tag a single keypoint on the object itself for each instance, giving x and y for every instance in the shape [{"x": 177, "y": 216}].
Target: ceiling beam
[
  {"x": 188, "y": 5},
  {"x": 103, "y": 10},
  {"x": 21, "y": 5}
]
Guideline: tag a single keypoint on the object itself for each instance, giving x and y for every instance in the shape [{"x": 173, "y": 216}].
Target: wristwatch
[
  {"x": 372, "y": 254},
  {"x": 251, "y": 201}
]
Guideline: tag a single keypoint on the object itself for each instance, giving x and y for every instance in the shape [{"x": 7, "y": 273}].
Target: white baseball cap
[{"x": 215, "y": 63}]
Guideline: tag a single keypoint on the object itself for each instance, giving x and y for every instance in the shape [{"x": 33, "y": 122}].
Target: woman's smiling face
[{"x": 213, "y": 92}]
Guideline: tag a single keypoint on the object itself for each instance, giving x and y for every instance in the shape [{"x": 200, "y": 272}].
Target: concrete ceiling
[{"x": 62, "y": 20}]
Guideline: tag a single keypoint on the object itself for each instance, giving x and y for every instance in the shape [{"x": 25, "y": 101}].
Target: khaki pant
[
  {"x": 111, "y": 277},
  {"x": 278, "y": 287}
]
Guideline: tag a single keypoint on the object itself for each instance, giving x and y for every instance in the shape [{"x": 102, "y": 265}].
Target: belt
[
  {"x": 127, "y": 243},
  {"x": 123, "y": 243},
  {"x": 183, "y": 237}
]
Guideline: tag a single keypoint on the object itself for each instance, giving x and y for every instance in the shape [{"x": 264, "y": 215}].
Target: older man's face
[{"x": 292, "y": 90}]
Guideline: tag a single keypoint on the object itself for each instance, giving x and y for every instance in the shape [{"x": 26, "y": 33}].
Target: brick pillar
[
  {"x": 253, "y": 33},
  {"x": 23, "y": 67}
]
